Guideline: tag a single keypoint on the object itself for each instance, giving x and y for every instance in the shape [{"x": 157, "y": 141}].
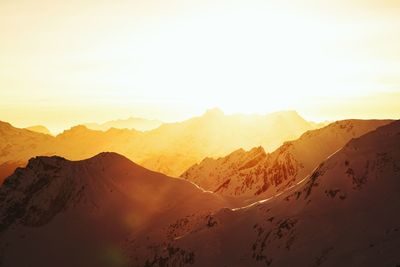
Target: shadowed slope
[{"x": 56, "y": 212}]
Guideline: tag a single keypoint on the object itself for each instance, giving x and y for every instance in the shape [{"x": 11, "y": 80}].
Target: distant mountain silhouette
[
  {"x": 135, "y": 123},
  {"x": 39, "y": 129},
  {"x": 255, "y": 174}
]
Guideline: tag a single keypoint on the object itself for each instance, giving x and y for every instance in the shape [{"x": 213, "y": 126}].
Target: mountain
[
  {"x": 108, "y": 211},
  {"x": 171, "y": 148},
  {"x": 18, "y": 145},
  {"x": 39, "y": 129},
  {"x": 346, "y": 213},
  {"x": 138, "y": 124},
  {"x": 255, "y": 174},
  {"x": 57, "y": 212},
  {"x": 215, "y": 134}
]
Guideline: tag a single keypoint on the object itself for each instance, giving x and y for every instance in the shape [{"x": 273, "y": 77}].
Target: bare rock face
[
  {"x": 94, "y": 212},
  {"x": 254, "y": 174},
  {"x": 346, "y": 213}
]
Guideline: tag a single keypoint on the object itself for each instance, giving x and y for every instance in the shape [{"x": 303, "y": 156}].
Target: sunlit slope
[
  {"x": 345, "y": 214},
  {"x": 171, "y": 148},
  {"x": 18, "y": 143},
  {"x": 255, "y": 174},
  {"x": 56, "y": 212}
]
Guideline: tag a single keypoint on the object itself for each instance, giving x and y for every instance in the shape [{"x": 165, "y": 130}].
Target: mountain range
[
  {"x": 346, "y": 213},
  {"x": 109, "y": 211},
  {"x": 170, "y": 149},
  {"x": 135, "y": 123},
  {"x": 255, "y": 174}
]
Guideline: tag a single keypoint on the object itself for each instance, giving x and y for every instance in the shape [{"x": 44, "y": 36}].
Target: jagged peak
[
  {"x": 49, "y": 163},
  {"x": 77, "y": 129},
  {"x": 112, "y": 156},
  {"x": 257, "y": 150},
  {"x": 239, "y": 151},
  {"x": 45, "y": 161}
]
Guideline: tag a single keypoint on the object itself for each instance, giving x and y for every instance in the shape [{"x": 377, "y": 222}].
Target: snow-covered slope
[
  {"x": 347, "y": 213},
  {"x": 255, "y": 174},
  {"x": 56, "y": 212}
]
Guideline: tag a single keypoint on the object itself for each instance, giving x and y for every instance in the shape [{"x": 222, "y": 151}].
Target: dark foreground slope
[
  {"x": 57, "y": 212},
  {"x": 347, "y": 213}
]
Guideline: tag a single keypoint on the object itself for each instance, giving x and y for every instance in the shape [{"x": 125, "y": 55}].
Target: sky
[{"x": 66, "y": 62}]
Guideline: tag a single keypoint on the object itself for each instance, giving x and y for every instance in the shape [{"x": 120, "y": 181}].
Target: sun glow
[{"x": 180, "y": 58}]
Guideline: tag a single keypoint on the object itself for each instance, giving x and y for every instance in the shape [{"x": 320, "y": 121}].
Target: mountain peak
[
  {"x": 109, "y": 156},
  {"x": 288, "y": 114},
  {"x": 76, "y": 129},
  {"x": 39, "y": 129},
  {"x": 214, "y": 112},
  {"x": 257, "y": 150},
  {"x": 46, "y": 163}
]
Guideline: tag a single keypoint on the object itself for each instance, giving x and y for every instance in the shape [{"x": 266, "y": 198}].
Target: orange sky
[{"x": 65, "y": 62}]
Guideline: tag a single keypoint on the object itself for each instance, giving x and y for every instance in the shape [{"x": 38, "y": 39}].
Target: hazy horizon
[
  {"x": 58, "y": 128},
  {"x": 90, "y": 61}
]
